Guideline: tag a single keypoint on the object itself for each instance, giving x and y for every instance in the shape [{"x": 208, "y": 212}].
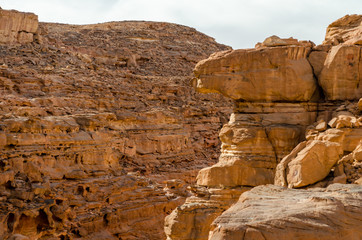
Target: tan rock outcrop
[
  {"x": 347, "y": 29},
  {"x": 272, "y": 212},
  {"x": 193, "y": 219},
  {"x": 17, "y": 27},
  {"x": 259, "y": 134},
  {"x": 275, "y": 41},
  {"x": 266, "y": 74},
  {"x": 349, "y": 168},
  {"x": 280, "y": 114}
]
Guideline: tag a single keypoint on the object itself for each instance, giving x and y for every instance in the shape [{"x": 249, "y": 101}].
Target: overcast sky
[{"x": 237, "y": 23}]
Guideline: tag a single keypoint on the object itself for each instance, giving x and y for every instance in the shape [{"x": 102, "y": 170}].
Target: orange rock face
[
  {"x": 347, "y": 29},
  {"x": 100, "y": 130},
  {"x": 280, "y": 73}
]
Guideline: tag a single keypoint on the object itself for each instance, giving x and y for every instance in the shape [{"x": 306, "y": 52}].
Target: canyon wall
[
  {"x": 100, "y": 130},
  {"x": 296, "y": 123}
]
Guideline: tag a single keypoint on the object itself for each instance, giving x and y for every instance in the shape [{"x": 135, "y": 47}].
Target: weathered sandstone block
[
  {"x": 266, "y": 74},
  {"x": 349, "y": 168},
  {"x": 347, "y": 29},
  {"x": 17, "y": 26},
  {"x": 311, "y": 164},
  {"x": 273, "y": 212}
]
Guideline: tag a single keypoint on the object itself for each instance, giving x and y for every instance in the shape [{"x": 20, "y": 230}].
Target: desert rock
[
  {"x": 266, "y": 74},
  {"x": 310, "y": 164},
  {"x": 17, "y": 27},
  {"x": 272, "y": 212},
  {"x": 347, "y": 29},
  {"x": 295, "y": 116},
  {"x": 340, "y": 76}
]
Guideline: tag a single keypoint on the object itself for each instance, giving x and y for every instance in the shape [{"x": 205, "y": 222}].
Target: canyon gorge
[{"x": 152, "y": 130}]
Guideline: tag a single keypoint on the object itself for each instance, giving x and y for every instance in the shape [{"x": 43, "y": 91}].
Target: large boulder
[
  {"x": 347, "y": 29},
  {"x": 273, "y": 212},
  {"x": 308, "y": 163},
  {"x": 280, "y": 73}
]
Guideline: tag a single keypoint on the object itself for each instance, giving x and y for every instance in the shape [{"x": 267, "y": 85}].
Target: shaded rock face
[
  {"x": 296, "y": 123},
  {"x": 100, "y": 130},
  {"x": 272, "y": 212}
]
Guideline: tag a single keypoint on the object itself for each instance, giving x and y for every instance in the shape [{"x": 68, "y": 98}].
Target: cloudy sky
[{"x": 238, "y": 23}]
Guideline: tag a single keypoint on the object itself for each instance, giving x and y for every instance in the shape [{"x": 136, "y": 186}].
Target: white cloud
[{"x": 239, "y": 23}]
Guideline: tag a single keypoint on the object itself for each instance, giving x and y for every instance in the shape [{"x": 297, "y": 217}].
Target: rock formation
[
  {"x": 296, "y": 121},
  {"x": 100, "y": 130},
  {"x": 17, "y": 27},
  {"x": 272, "y": 212},
  {"x": 100, "y": 133}
]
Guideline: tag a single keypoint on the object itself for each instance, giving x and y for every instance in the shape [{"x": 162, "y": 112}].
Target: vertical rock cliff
[{"x": 296, "y": 122}]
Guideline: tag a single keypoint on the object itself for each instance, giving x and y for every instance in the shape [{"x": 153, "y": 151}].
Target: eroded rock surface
[
  {"x": 100, "y": 130},
  {"x": 341, "y": 75},
  {"x": 280, "y": 73},
  {"x": 17, "y": 27},
  {"x": 296, "y": 115},
  {"x": 272, "y": 212},
  {"x": 347, "y": 29}
]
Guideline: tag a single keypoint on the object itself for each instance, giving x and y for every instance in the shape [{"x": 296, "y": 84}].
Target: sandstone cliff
[
  {"x": 296, "y": 123},
  {"x": 100, "y": 130}
]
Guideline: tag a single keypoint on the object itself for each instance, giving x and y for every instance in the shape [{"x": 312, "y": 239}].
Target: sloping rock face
[
  {"x": 347, "y": 29},
  {"x": 100, "y": 130},
  {"x": 272, "y": 212},
  {"x": 296, "y": 119}
]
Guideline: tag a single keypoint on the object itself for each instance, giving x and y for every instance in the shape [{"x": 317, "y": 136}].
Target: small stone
[{"x": 322, "y": 126}]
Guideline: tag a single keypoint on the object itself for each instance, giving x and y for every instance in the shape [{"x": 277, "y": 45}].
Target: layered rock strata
[
  {"x": 99, "y": 129},
  {"x": 285, "y": 91}
]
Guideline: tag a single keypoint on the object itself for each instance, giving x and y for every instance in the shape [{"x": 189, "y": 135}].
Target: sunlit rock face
[
  {"x": 272, "y": 212},
  {"x": 100, "y": 130},
  {"x": 296, "y": 123}
]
